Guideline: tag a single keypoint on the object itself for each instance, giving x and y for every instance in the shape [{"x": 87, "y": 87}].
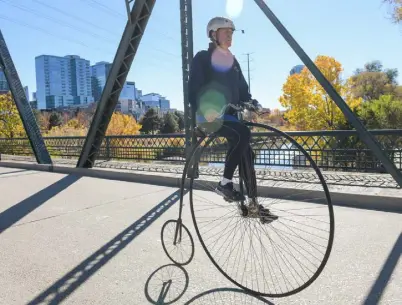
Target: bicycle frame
[{"x": 178, "y": 231}]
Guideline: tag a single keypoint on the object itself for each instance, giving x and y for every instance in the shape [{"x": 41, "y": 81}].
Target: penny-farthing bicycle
[{"x": 277, "y": 258}]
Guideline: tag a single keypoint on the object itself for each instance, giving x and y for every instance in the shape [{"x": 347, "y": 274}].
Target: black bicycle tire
[
  {"x": 329, "y": 204},
  {"x": 191, "y": 239}
]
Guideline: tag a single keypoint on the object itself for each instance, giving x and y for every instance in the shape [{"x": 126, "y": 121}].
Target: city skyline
[
  {"x": 77, "y": 82},
  {"x": 131, "y": 100},
  {"x": 71, "y": 81}
]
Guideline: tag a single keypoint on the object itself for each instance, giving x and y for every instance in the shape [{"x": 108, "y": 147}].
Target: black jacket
[{"x": 204, "y": 78}]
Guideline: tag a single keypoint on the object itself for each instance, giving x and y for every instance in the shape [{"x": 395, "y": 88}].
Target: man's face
[{"x": 224, "y": 37}]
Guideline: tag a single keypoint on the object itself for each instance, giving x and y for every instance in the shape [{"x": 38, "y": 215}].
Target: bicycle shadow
[{"x": 167, "y": 284}]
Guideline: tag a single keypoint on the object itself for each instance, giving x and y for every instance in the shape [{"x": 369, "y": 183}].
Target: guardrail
[{"x": 336, "y": 150}]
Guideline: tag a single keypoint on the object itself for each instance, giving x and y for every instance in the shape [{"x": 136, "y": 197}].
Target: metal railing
[{"x": 336, "y": 150}]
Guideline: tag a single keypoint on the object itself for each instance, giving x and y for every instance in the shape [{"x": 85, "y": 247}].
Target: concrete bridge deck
[{"x": 68, "y": 239}]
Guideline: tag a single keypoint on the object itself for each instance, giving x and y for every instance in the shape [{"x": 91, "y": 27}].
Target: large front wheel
[{"x": 277, "y": 258}]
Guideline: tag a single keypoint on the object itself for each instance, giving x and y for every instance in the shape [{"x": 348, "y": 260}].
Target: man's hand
[{"x": 257, "y": 105}]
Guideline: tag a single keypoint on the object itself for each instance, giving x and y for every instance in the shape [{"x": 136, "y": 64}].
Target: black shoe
[
  {"x": 229, "y": 192},
  {"x": 266, "y": 216},
  {"x": 258, "y": 210}
]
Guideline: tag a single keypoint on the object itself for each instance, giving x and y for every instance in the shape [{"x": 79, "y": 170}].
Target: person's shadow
[{"x": 168, "y": 284}]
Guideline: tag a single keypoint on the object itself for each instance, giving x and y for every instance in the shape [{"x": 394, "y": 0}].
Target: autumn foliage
[
  {"x": 55, "y": 124},
  {"x": 308, "y": 105},
  {"x": 10, "y": 121},
  {"x": 396, "y": 9},
  {"x": 120, "y": 124}
]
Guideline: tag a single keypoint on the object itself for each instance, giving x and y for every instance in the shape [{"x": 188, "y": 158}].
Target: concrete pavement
[{"x": 67, "y": 239}]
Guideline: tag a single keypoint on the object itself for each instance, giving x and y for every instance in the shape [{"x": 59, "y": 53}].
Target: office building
[
  {"x": 129, "y": 92},
  {"x": 26, "y": 90},
  {"x": 155, "y": 100},
  {"x": 127, "y": 98},
  {"x": 296, "y": 69},
  {"x": 63, "y": 81},
  {"x": 99, "y": 74}
]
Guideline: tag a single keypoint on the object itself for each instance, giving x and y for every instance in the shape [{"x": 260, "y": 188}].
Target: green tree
[
  {"x": 373, "y": 81},
  {"x": 180, "y": 119},
  {"x": 398, "y": 93},
  {"x": 383, "y": 113},
  {"x": 151, "y": 121},
  {"x": 55, "y": 120},
  {"x": 170, "y": 124}
]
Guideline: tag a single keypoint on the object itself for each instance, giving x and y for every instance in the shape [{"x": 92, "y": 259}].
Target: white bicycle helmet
[{"x": 219, "y": 22}]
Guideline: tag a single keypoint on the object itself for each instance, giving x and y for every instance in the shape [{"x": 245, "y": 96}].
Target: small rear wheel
[{"x": 177, "y": 242}]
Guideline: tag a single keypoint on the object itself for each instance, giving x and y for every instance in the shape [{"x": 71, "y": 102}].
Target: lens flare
[
  {"x": 211, "y": 104},
  {"x": 234, "y": 8},
  {"x": 222, "y": 60},
  {"x": 212, "y": 101}
]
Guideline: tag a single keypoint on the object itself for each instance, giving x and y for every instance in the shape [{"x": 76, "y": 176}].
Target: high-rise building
[
  {"x": 296, "y": 69},
  {"x": 99, "y": 74},
  {"x": 127, "y": 98},
  {"x": 155, "y": 100},
  {"x": 26, "y": 90},
  {"x": 164, "y": 104},
  {"x": 3, "y": 82},
  {"x": 129, "y": 92},
  {"x": 62, "y": 81}
]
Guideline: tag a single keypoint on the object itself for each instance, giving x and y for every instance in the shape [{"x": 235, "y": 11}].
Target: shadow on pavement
[
  {"x": 18, "y": 211},
  {"x": 167, "y": 285},
  {"x": 65, "y": 286},
  {"x": 16, "y": 171},
  {"x": 383, "y": 278}
]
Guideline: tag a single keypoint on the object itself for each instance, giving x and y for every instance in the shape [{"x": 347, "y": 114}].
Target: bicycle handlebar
[{"x": 243, "y": 106}]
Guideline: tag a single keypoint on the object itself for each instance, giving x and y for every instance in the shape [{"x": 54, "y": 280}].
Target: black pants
[{"x": 240, "y": 153}]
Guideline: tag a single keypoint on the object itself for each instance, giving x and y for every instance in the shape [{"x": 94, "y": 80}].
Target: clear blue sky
[{"x": 352, "y": 31}]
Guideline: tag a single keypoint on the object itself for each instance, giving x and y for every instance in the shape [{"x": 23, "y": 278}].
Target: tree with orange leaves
[
  {"x": 308, "y": 105},
  {"x": 123, "y": 124},
  {"x": 10, "y": 122}
]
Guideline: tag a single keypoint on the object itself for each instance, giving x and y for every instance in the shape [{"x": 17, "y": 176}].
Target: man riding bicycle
[{"x": 215, "y": 81}]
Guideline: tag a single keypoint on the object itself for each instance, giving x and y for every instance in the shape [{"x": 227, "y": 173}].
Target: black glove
[{"x": 256, "y": 104}]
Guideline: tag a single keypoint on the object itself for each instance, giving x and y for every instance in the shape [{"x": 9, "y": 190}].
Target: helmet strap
[{"x": 215, "y": 40}]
